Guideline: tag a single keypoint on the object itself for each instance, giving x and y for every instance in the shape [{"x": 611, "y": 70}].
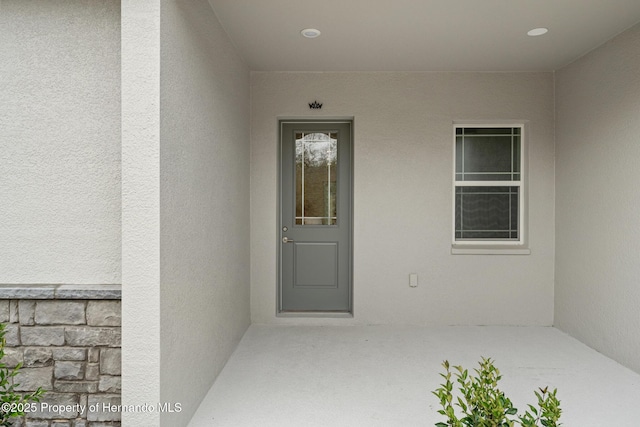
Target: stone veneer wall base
[{"x": 68, "y": 339}]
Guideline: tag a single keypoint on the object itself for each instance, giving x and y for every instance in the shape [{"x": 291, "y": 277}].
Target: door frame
[{"x": 279, "y": 233}]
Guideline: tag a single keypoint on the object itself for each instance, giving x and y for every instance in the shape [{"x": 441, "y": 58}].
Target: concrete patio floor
[{"x": 384, "y": 375}]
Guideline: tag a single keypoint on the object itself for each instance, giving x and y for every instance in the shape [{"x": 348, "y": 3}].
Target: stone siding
[{"x": 68, "y": 341}]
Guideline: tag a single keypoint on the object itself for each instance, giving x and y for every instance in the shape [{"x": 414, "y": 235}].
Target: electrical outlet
[{"x": 413, "y": 280}]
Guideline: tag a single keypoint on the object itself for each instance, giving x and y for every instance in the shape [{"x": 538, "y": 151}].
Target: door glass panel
[{"x": 316, "y": 162}]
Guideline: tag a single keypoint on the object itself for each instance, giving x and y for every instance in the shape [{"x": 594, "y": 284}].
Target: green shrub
[
  {"x": 12, "y": 404},
  {"x": 483, "y": 404}
]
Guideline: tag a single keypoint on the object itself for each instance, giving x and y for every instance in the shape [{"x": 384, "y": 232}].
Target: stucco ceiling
[{"x": 420, "y": 35}]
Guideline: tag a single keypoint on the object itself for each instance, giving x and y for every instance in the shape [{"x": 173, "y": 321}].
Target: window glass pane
[
  {"x": 478, "y": 176},
  {"x": 487, "y": 154},
  {"x": 515, "y": 213},
  {"x": 316, "y": 161},
  {"x": 459, "y": 155},
  {"x": 516, "y": 154},
  {"x": 487, "y": 131},
  {"x": 487, "y": 213}
]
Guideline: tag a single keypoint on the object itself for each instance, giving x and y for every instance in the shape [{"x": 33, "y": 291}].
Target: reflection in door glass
[{"x": 316, "y": 160}]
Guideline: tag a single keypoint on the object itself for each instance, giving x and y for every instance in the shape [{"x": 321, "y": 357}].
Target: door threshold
[{"x": 308, "y": 313}]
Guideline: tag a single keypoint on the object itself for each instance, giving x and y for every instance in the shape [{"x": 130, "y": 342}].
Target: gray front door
[{"x": 315, "y": 216}]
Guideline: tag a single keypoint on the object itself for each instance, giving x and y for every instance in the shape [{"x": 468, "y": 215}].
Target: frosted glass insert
[{"x": 316, "y": 178}]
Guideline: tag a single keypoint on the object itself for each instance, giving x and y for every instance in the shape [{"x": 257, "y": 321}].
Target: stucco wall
[
  {"x": 597, "y": 199},
  {"x": 204, "y": 203},
  {"x": 403, "y": 194},
  {"x": 60, "y": 141}
]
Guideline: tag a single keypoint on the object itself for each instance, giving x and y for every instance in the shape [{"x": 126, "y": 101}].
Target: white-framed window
[{"x": 489, "y": 191}]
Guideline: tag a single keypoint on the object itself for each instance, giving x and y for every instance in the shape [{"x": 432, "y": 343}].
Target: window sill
[
  {"x": 318, "y": 314},
  {"x": 461, "y": 250}
]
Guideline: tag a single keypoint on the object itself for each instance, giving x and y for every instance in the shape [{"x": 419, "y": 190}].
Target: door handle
[{"x": 287, "y": 240}]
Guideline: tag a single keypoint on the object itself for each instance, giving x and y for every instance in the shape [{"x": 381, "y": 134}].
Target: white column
[{"x": 140, "y": 52}]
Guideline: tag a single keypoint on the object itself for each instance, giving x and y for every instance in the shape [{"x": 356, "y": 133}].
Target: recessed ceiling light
[
  {"x": 310, "y": 33},
  {"x": 537, "y": 31}
]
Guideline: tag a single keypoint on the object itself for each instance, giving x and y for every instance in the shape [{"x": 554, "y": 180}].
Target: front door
[{"x": 315, "y": 216}]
